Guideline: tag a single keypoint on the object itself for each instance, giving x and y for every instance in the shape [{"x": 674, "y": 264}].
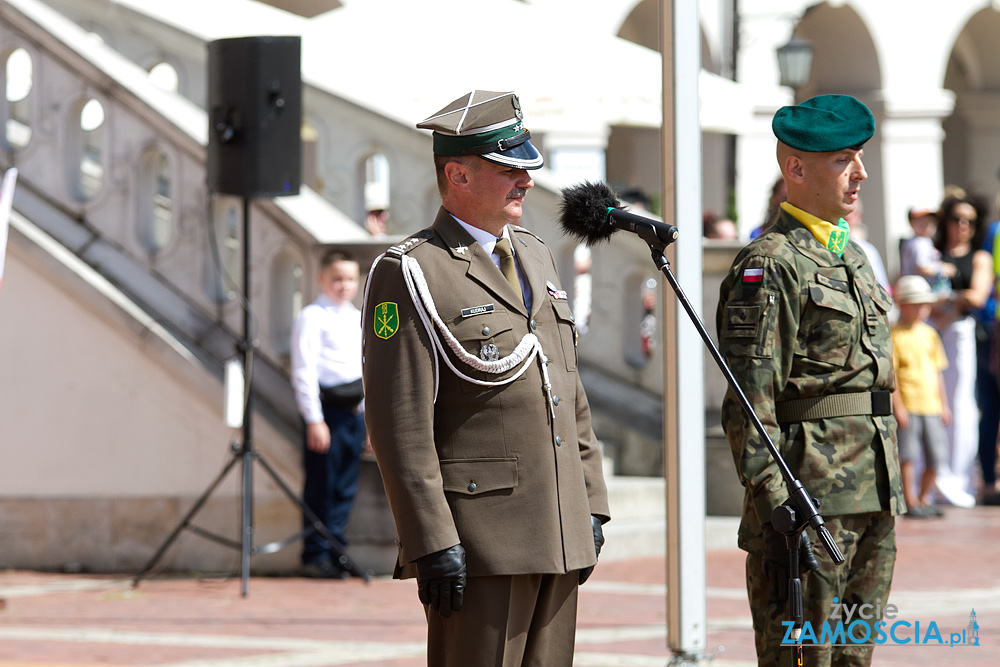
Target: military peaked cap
[{"x": 486, "y": 124}]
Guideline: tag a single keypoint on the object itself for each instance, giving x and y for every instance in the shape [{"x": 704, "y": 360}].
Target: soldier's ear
[
  {"x": 794, "y": 168},
  {"x": 457, "y": 174}
]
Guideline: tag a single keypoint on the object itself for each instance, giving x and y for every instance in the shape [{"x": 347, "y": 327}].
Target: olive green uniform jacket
[
  {"x": 486, "y": 467},
  {"x": 797, "y": 321}
]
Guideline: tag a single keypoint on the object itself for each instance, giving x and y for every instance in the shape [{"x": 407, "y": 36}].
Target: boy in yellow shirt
[{"x": 919, "y": 402}]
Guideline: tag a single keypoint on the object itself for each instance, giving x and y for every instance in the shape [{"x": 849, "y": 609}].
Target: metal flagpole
[{"x": 684, "y": 411}]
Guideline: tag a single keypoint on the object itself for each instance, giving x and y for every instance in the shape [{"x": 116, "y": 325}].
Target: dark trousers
[
  {"x": 988, "y": 397},
  {"x": 332, "y": 480}
]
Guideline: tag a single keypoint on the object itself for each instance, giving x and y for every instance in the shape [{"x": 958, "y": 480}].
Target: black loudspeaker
[{"x": 255, "y": 116}]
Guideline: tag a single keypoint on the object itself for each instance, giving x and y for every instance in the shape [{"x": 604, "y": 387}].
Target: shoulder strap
[
  {"x": 518, "y": 228},
  {"x": 409, "y": 244}
]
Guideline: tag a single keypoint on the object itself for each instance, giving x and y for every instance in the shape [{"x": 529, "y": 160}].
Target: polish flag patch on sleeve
[{"x": 753, "y": 275}]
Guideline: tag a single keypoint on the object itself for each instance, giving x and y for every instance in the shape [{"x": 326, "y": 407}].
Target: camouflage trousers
[{"x": 868, "y": 542}]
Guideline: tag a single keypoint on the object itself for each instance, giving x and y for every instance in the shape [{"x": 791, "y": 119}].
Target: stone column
[
  {"x": 981, "y": 113},
  {"x": 756, "y": 168},
  {"x": 911, "y": 162}
]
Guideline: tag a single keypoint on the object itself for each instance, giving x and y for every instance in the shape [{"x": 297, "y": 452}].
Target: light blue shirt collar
[{"x": 486, "y": 240}]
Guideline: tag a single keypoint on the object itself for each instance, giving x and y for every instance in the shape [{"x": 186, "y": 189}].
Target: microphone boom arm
[
  {"x": 654, "y": 233},
  {"x": 804, "y": 505}
]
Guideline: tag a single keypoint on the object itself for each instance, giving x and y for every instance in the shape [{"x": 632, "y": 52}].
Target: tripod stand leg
[
  {"x": 317, "y": 525},
  {"x": 247, "y": 523},
  {"x": 185, "y": 522}
]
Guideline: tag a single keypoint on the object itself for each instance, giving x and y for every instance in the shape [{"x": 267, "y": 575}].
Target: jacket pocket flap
[
  {"x": 474, "y": 476},
  {"x": 882, "y": 298},
  {"x": 563, "y": 311},
  {"x": 827, "y": 296},
  {"x": 480, "y": 327}
]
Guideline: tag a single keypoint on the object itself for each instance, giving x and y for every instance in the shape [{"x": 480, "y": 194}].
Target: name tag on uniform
[{"x": 477, "y": 310}]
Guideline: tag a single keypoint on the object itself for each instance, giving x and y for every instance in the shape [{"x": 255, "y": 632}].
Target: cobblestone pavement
[{"x": 945, "y": 568}]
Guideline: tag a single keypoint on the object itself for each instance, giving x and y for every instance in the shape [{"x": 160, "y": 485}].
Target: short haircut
[
  {"x": 333, "y": 256},
  {"x": 439, "y": 163}
]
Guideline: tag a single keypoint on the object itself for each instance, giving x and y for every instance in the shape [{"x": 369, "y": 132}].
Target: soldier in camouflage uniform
[{"x": 803, "y": 325}]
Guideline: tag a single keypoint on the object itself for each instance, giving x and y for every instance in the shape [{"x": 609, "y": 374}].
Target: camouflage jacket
[{"x": 797, "y": 321}]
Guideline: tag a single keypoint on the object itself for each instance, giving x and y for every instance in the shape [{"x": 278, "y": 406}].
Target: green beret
[
  {"x": 486, "y": 124},
  {"x": 824, "y": 123}
]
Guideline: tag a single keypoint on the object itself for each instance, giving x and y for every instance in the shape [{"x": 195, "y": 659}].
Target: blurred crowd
[{"x": 954, "y": 250}]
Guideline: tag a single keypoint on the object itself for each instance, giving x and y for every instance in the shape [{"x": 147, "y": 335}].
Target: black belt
[
  {"x": 344, "y": 396},
  {"x": 875, "y": 403}
]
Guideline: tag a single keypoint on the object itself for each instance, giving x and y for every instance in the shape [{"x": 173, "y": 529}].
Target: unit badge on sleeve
[{"x": 386, "y": 320}]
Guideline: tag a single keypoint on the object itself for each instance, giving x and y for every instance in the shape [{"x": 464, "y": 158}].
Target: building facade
[{"x": 122, "y": 297}]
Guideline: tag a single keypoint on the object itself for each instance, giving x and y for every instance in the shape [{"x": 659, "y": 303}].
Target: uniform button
[
  {"x": 555, "y": 400},
  {"x": 486, "y": 331},
  {"x": 559, "y": 440},
  {"x": 472, "y": 487},
  {"x": 534, "y": 324}
]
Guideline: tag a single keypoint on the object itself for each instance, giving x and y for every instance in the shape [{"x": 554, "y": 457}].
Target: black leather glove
[
  {"x": 441, "y": 580},
  {"x": 776, "y": 561},
  {"x": 595, "y": 523}
]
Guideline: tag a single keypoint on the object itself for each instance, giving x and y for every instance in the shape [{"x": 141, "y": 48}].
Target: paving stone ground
[{"x": 944, "y": 569}]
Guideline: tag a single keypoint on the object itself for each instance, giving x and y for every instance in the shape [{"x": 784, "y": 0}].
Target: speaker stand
[{"x": 245, "y": 453}]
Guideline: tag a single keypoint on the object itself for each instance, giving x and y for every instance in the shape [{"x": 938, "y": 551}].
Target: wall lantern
[{"x": 795, "y": 62}]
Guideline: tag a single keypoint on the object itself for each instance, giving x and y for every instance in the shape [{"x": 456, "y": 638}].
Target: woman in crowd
[{"x": 959, "y": 238}]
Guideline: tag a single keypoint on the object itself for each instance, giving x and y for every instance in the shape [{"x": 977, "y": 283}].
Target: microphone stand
[{"x": 790, "y": 518}]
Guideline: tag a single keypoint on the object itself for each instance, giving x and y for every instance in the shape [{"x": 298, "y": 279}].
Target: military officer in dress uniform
[
  {"x": 804, "y": 327},
  {"x": 475, "y": 409}
]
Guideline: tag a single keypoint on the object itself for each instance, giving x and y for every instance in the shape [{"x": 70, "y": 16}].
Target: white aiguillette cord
[{"x": 522, "y": 355}]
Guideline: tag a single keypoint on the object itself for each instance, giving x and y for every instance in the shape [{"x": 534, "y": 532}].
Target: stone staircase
[{"x": 638, "y": 527}]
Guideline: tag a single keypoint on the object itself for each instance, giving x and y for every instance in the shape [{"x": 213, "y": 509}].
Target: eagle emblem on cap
[{"x": 517, "y": 107}]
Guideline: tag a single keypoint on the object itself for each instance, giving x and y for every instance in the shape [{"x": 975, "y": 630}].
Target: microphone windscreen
[{"x": 583, "y": 212}]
